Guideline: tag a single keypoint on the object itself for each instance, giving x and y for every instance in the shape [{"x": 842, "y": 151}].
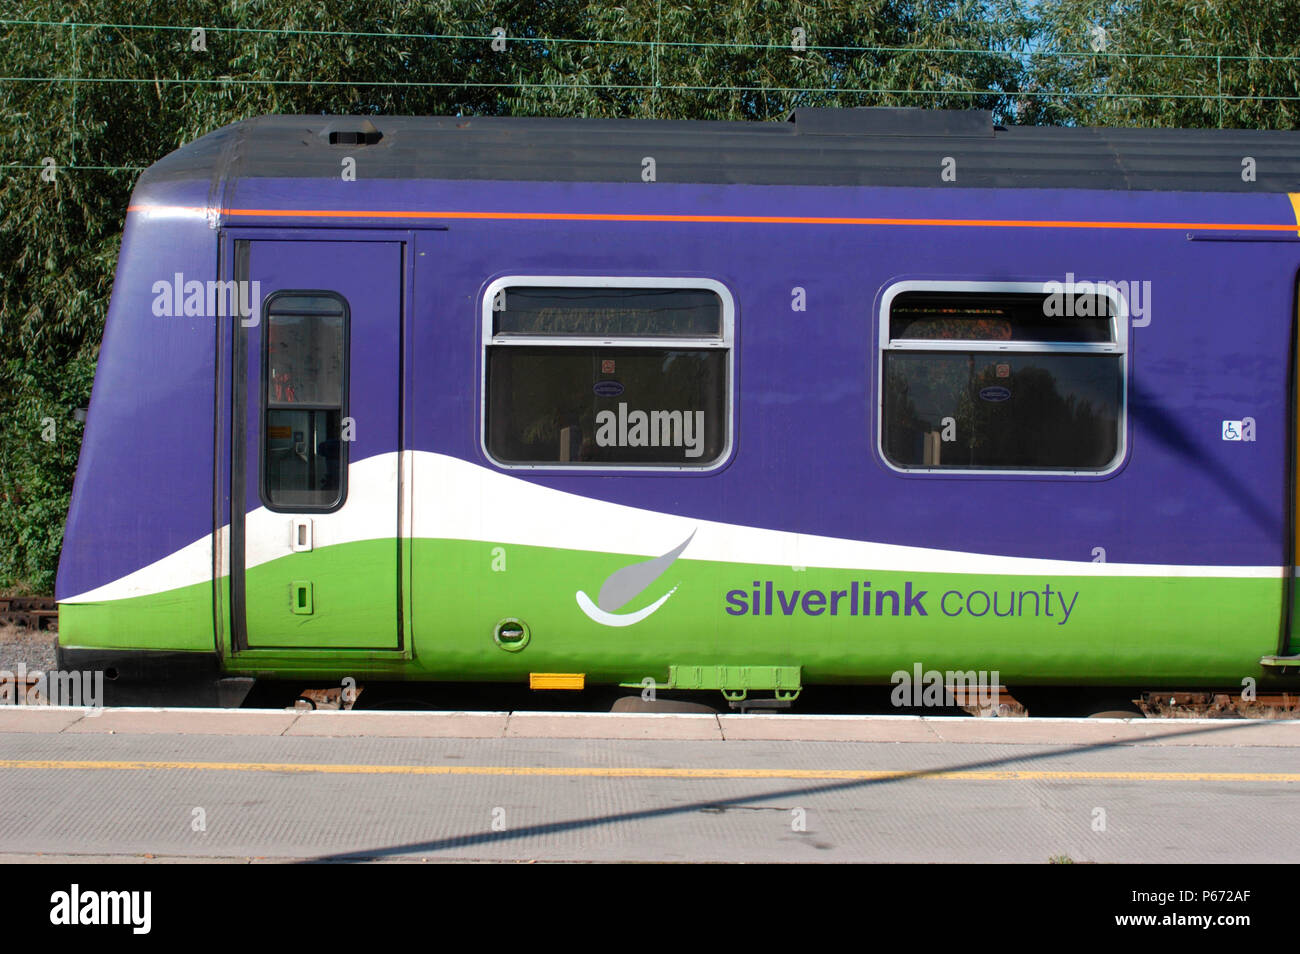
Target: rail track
[{"x": 32, "y": 612}]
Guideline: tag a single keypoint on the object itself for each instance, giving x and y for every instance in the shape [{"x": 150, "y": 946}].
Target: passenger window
[
  {"x": 604, "y": 375},
  {"x": 304, "y": 459},
  {"x": 1002, "y": 381}
]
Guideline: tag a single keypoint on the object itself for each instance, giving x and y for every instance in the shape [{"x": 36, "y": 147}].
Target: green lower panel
[
  {"x": 1135, "y": 630},
  {"x": 178, "y": 619},
  {"x": 342, "y": 597},
  {"x": 1144, "y": 631}
]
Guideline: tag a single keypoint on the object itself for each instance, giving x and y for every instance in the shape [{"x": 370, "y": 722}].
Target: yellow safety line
[{"x": 999, "y": 775}]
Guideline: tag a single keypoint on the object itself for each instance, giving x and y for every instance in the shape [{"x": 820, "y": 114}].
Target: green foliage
[
  {"x": 125, "y": 97},
  {"x": 736, "y": 59},
  {"x": 1188, "y": 63},
  {"x": 38, "y": 457}
]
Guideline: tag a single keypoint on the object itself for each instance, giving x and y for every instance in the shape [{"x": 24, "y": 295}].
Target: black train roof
[{"x": 832, "y": 147}]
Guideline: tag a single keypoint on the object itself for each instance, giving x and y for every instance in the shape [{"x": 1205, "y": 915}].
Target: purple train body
[{"x": 806, "y": 231}]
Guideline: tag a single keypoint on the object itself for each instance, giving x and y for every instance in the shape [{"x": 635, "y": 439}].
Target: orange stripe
[{"x": 732, "y": 219}]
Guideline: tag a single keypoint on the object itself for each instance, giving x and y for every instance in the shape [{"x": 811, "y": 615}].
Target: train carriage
[{"x": 744, "y": 407}]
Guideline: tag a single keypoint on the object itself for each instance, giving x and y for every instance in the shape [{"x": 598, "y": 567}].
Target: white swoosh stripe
[
  {"x": 619, "y": 619},
  {"x": 454, "y": 499}
]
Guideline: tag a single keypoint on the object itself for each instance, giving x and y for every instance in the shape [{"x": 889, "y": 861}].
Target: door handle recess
[
  {"x": 301, "y": 541},
  {"x": 301, "y": 597}
]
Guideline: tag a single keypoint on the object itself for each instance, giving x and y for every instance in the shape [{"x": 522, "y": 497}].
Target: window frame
[
  {"x": 264, "y": 404},
  {"x": 726, "y": 343},
  {"x": 1118, "y": 346}
]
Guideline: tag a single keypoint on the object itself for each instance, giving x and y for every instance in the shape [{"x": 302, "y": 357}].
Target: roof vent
[
  {"x": 893, "y": 121},
  {"x": 352, "y": 132}
]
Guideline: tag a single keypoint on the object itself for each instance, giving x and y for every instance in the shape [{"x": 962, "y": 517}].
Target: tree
[
  {"x": 103, "y": 102},
  {"x": 1178, "y": 63}
]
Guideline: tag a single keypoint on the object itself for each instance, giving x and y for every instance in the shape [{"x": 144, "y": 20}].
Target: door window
[{"x": 304, "y": 458}]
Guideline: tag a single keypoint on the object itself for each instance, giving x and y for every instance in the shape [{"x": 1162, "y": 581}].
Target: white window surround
[
  {"x": 1117, "y": 346},
  {"x": 725, "y": 342}
]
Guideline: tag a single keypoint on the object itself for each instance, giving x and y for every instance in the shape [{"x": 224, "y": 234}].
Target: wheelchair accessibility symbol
[{"x": 1243, "y": 430}]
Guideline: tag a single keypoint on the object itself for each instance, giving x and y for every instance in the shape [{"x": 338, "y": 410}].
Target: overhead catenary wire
[
  {"x": 655, "y": 88},
  {"x": 722, "y": 44}
]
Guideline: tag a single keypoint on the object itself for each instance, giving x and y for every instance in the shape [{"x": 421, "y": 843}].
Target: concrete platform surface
[
  {"x": 619, "y": 725},
  {"x": 154, "y": 785}
]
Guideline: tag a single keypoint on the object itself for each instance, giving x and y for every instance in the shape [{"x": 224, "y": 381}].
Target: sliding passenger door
[{"x": 317, "y": 371}]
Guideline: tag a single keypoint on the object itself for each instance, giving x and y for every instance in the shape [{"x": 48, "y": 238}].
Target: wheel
[
  {"x": 1112, "y": 707},
  {"x": 1073, "y": 703},
  {"x": 1117, "y": 714},
  {"x": 637, "y": 704},
  {"x": 396, "y": 703}
]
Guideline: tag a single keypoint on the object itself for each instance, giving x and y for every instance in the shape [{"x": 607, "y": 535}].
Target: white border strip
[
  {"x": 1118, "y": 347},
  {"x": 727, "y": 343},
  {"x": 466, "y": 501}
]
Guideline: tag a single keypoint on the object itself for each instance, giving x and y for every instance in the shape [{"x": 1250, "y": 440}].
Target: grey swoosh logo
[{"x": 625, "y": 585}]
